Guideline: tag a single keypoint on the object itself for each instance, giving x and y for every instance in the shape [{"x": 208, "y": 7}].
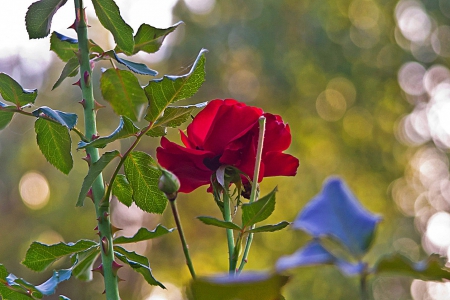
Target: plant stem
[
  {"x": 98, "y": 189},
  {"x": 176, "y": 216},
  {"x": 363, "y": 284},
  {"x": 253, "y": 194},
  {"x": 230, "y": 235}
]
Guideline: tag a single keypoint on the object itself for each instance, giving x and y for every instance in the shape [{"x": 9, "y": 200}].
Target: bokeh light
[{"x": 34, "y": 190}]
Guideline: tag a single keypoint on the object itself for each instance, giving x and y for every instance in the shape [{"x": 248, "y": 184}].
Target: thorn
[
  {"x": 94, "y": 137},
  {"x": 97, "y": 105},
  {"x": 92, "y": 64},
  {"x": 115, "y": 267},
  {"x": 87, "y": 159},
  {"x": 99, "y": 269},
  {"x": 73, "y": 26},
  {"x": 104, "y": 292},
  {"x": 96, "y": 227},
  {"x": 78, "y": 55},
  {"x": 114, "y": 229},
  {"x": 105, "y": 215},
  {"x": 87, "y": 78},
  {"x": 90, "y": 194},
  {"x": 105, "y": 244},
  {"x": 120, "y": 279},
  {"x": 82, "y": 102},
  {"x": 78, "y": 83}
]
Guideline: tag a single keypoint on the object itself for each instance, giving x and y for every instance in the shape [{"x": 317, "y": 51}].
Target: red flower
[{"x": 225, "y": 132}]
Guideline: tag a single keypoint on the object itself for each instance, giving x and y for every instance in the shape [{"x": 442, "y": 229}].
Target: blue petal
[{"x": 336, "y": 212}]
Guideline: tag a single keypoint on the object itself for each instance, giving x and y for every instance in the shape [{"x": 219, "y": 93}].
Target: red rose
[{"x": 225, "y": 132}]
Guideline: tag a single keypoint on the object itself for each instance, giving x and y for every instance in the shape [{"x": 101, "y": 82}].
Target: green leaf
[
  {"x": 173, "y": 117},
  {"x": 10, "y": 290},
  {"x": 67, "y": 119},
  {"x": 122, "y": 190},
  {"x": 269, "y": 228},
  {"x": 144, "y": 234},
  {"x": 138, "y": 263},
  {"x": 123, "y": 91},
  {"x": 54, "y": 141},
  {"x": 83, "y": 263},
  {"x": 157, "y": 131},
  {"x": 39, "y": 17},
  {"x": 143, "y": 178},
  {"x": 135, "y": 67},
  {"x": 258, "y": 211},
  {"x": 125, "y": 129},
  {"x": 39, "y": 256},
  {"x": 49, "y": 287},
  {"x": 94, "y": 170},
  {"x": 149, "y": 39},
  {"x": 61, "y": 297},
  {"x": 109, "y": 16},
  {"x": 12, "y": 91},
  {"x": 432, "y": 268},
  {"x": 69, "y": 70},
  {"x": 169, "y": 89},
  {"x": 5, "y": 118},
  {"x": 65, "y": 47},
  {"x": 218, "y": 223},
  {"x": 251, "y": 285}
]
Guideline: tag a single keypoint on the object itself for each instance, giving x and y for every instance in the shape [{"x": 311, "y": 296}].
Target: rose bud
[{"x": 169, "y": 184}]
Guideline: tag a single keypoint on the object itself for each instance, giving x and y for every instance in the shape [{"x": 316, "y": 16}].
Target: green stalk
[
  {"x": 98, "y": 189},
  {"x": 230, "y": 235},
  {"x": 176, "y": 216},
  {"x": 248, "y": 243}
]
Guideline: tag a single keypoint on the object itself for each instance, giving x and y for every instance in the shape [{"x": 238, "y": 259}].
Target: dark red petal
[
  {"x": 232, "y": 121},
  {"x": 201, "y": 124},
  {"x": 277, "y": 136},
  {"x": 186, "y": 164},
  {"x": 280, "y": 164}
]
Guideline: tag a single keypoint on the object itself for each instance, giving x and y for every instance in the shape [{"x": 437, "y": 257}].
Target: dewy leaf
[
  {"x": 251, "y": 285},
  {"x": 5, "y": 118},
  {"x": 258, "y": 211},
  {"x": 432, "y": 268},
  {"x": 12, "y": 91},
  {"x": 109, "y": 15},
  {"x": 173, "y": 117},
  {"x": 84, "y": 262},
  {"x": 149, "y": 39},
  {"x": 65, "y": 47},
  {"x": 49, "y": 287},
  {"x": 336, "y": 212},
  {"x": 143, "y": 178},
  {"x": 122, "y": 190},
  {"x": 218, "y": 223},
  {"x": 135, "y": 67},
  {"x": 69, "y": 70},
  {"x": 169, "y": 89},
  {"x": 144, "y": 234},
  {"x": 123, "y": 91},
  {"x": 54, "y": 141},
  {"x": 66, "y": 119},
  {"x": 39, "y": 256},
  {"x": 125, "y": 129},
  {"x": 39, "y": 17},
  {"x": 94, "y": 170},
  {"x": 269, "y": 228},
  {"x": 138, "y": 263}
]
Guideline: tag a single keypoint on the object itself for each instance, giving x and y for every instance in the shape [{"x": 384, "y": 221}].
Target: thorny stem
[
  {"x": 248, "y": 243},
  {"x": 176, "y": 216},
  {"x": 98, "y": 189}
]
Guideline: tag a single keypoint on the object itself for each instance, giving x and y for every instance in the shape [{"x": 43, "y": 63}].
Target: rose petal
[
  {"x": 280, "y": 164},
  {"x": 278, "y": 134}
]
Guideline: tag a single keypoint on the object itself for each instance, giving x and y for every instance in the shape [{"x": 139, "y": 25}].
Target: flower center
[{"x": 212, "y": 163}]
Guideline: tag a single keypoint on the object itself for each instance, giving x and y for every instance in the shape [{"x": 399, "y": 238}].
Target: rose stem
[
  {"x": 98, "y": 189},
  {"x": 230, "y": 235},
  {"x": 176, "y": 216},
  {"x": 248, "y": 243}
]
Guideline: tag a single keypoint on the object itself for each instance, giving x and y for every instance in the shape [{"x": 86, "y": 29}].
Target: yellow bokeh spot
[
  {"x": 34, "y": 190},
  {"x": 331, "y": 105}
]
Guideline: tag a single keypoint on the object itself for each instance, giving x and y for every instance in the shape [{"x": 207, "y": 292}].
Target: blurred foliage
[{"x": 322, "y": 65}]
